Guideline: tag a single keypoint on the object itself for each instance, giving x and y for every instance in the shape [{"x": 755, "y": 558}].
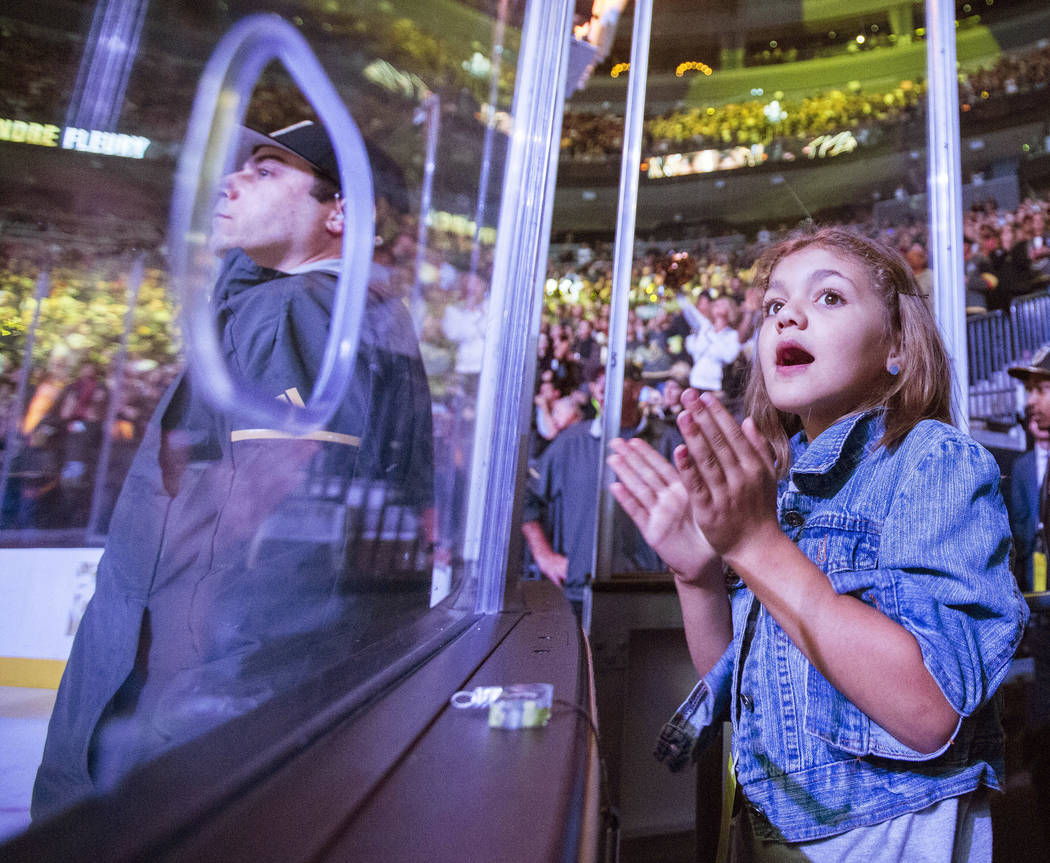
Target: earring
[{"x": 894, "y": 370}]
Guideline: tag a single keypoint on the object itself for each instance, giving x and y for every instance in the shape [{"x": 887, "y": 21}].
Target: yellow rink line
[{"x": 33, "y": 673}]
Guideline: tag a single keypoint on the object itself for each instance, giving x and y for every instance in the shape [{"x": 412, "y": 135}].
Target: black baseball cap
[
  {"x": 1038, "y": 367},
  {"x": 309, "y": 141},
  {"x": 306, "y": 140}
]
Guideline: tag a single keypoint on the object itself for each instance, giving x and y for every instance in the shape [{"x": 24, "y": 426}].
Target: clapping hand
[
  {"x": 652, "y": 494},
  {"x": 727, "y": 470}
]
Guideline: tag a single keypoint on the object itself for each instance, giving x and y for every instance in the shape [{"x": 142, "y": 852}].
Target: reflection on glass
[{"x": 240, "y": 560}]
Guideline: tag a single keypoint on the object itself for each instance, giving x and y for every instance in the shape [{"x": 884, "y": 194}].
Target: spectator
[
  {"x": 565, "y": 412},
  {"x": 544, "y": 425},
  {"x": 671, "y": 402},
  {"x": 544, "y": 351},
  {"x": 714, "y": 343},
  {"x": 561, "y": 500},
  {"x": 585, "y": 348},
  {"x": 1026, "y": 477},
  {"x": 567, "y": 374},
  {"x": 1033, "y": 225},
  {"x": 81, "y": 414},
  {"x": 918, "y": 259},
  {"x": 464, "y": 325},
  {"x": 1008, "y": 271}
]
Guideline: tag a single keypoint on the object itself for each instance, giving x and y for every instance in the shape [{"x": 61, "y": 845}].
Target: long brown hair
[{"x": 921, "y": 391}]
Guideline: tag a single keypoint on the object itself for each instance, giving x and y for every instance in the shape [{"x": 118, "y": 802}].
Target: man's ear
[{"x": 334, "y": 221}]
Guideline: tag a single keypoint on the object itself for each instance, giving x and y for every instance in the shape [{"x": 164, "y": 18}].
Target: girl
[{"x": 842, "y": 565}]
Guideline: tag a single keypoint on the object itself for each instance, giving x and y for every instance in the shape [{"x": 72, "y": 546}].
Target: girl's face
[{"x": 825, "y": 343}]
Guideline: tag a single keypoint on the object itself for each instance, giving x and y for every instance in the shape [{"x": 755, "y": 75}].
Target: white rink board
[{"x": 43, "y": 592}]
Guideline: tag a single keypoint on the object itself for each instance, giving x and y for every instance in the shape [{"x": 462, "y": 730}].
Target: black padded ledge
[{"x": 400, "y": 775}]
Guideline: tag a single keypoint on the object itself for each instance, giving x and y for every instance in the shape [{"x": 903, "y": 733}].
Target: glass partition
[
  {"x": 763, "y": 120},
  {"x": 760, "y": 120},
  {"x": 240, "y": 555}
]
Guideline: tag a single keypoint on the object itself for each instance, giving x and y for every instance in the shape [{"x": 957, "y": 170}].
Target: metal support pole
[
  {"x": 522, "y": 238},
  {"x": 944, "y": 188},
  {"x": 430, "y": 116},
  {"x": 495, "y": 69},
  {"x": 623, "y": 262}
]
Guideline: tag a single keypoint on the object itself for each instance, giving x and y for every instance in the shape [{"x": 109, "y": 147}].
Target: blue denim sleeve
[
  {"x": 946, "y": 544},
  {"x": 689, "y": 731}
]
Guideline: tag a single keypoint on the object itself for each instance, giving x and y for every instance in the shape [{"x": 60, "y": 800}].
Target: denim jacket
[{"x": 918, "y": 531}]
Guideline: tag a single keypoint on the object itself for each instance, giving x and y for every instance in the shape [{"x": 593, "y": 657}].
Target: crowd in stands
[
  {"x": 59, "y": 424},
  {"x": 33, "y": 61},
  {"x": 867, "y": 114},
  {"x": 692, "y": 318},
  {"x": 691, "y": 323},
  {"x": 39, "y": 67},
  {"x": 1017, "y": 72},
  {"x": 1006, "y": 254},
  {"x": 59, "y": 438},
  {"x": 56, "y": 431},
  {"x": 693, "y": 315},
  {"x": 38, "y": 57}
]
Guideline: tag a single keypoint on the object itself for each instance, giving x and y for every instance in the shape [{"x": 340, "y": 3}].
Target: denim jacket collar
[{"x": 821, "y": 466}]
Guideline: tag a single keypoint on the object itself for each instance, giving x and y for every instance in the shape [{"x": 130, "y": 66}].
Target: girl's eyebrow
[
  {"x": 820, "y": 275},
  {"x": 814, "y": 278}
]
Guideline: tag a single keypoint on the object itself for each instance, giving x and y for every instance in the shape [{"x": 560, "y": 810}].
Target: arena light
[
  {"x": 384, "y": 74},
  {"x": 689, "y": 65},
  {"x": 105, "y": 68}
]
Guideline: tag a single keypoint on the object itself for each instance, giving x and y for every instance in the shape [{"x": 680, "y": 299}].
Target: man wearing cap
[
  {"x": 233, "y": 566},
  {"x": 561, "y": 503},
  {"x": 1027, "y": 500},
  {"x": 1035, "y": 538}
]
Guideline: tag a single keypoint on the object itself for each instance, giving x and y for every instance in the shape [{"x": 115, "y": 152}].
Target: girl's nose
[{"x": 789, "y": 315}]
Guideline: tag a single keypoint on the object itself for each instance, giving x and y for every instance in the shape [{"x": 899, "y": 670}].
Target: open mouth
[{"x": 791, "y": 354}]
